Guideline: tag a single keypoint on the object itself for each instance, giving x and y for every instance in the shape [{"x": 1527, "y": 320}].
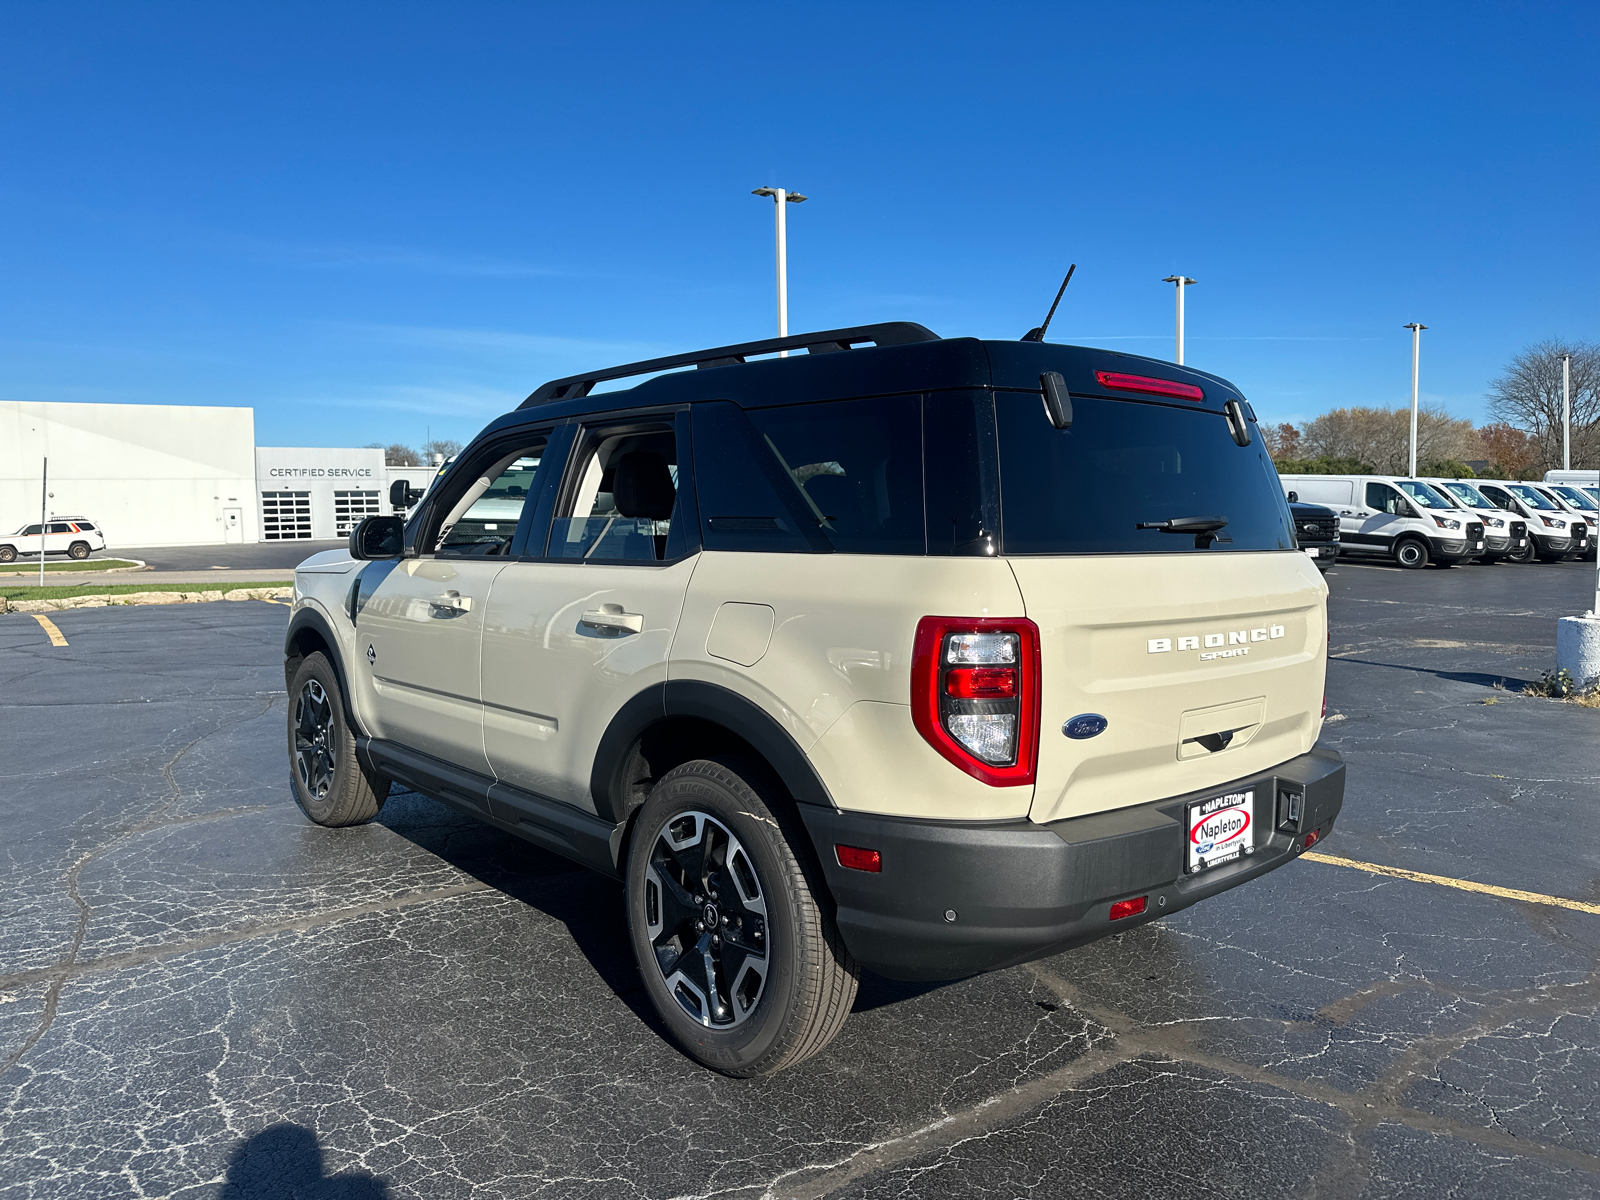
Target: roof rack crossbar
[{"x": 888, "y": 333}]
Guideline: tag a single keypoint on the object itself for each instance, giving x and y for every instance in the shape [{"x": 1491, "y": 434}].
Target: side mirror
[
  {"x": 401, "y": 495},
  {"x": 377, "y": 537},
  {"x": 1294, "y": 497}
]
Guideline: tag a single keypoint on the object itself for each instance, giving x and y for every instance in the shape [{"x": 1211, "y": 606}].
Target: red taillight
[
  {"x": 975, "y": 694},
  {"x": 981, "y": 683},
  {"x": 1311, "y": 839},
  {"x": 858, "y": 859},
  {"x": 1149, "y": 386},
  {"x": 1127, "y": 908}
]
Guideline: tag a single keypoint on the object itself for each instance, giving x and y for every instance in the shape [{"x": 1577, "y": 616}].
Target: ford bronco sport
[{"x": 929, "y": 656}]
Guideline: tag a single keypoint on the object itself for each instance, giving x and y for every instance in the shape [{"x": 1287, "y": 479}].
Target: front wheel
[
  {"x": 1411, "y": 553},
  {"x": 730, "y": 926},
  {"x": 330, "y": 784},
  {"x": 1521, "y": 554}
]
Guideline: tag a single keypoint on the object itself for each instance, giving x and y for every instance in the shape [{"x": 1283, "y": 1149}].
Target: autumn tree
[
  {"x": 1510, "y": 451},
  {"x": 1282, "y": 441}
]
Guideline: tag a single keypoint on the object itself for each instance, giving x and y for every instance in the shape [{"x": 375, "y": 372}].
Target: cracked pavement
[{"x": 204, "y": 995}]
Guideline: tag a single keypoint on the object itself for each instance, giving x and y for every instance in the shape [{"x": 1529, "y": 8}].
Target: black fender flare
[
  {"x": 708, "y": 702},
  {"x": 309, "y": 618}
]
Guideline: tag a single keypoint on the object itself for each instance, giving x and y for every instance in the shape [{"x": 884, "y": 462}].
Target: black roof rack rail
[{"x": 888, "y": 333}]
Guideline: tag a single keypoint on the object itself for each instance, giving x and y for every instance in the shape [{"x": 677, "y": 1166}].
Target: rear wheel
[
  {"x": 8, "y": 554},
  {"x": 1411, "y": 553},
  {"x": 730, "y": 927},
  {"x": 78, "y": 550},
  {"x": 330, "y": 784}
]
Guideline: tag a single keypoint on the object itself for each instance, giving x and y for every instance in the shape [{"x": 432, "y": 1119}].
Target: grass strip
[
  {"x": 127, "y": 589},
  {"x": 23, "y": 567}
]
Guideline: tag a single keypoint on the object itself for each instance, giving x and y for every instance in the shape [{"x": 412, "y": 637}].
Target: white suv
[
  {"x": 927, "y": 656},
  {"x": 76, "y": 537}
]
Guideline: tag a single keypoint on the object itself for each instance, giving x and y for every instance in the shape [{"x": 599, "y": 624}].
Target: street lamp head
[
  {"x": 1413, "y": 325},
  {"x": 765, "y": 191},
  {"x": 794, "y": 197},
  {"x": 1178, "y": 279}
]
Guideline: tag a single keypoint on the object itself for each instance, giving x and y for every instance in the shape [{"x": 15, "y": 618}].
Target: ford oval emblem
[{"x": 1085, "y": 725}]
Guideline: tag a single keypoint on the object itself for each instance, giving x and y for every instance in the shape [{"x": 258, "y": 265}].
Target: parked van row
[{"x": 1414, "y": 522}]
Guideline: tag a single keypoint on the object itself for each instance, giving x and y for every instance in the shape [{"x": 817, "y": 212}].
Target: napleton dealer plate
[{"x": 1220, "y": 829}]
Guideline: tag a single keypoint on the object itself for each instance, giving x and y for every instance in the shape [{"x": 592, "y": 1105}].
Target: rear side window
[
  {"x": 85, "y": 525},
  {"x": 1086, "y": 489},
  {"x": 840, "y": 475}
]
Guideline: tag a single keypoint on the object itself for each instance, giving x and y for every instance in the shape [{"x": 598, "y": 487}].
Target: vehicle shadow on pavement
[
  {"x": 1477, "y": 677},
  {"x": 587, "y": 903},
  {"x": 284, "y": 1162}
]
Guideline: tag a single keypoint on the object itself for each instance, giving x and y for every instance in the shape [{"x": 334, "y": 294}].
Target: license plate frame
[{"x": 1203, "y": 850}]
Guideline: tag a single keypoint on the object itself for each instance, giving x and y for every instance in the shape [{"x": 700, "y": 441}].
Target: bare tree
[
  {"x": 440, "y": 446},
  {"x": 398, "y": 455},
  {"x": 1527, "y": 396},
  {"x": 1382, "y": 437}
]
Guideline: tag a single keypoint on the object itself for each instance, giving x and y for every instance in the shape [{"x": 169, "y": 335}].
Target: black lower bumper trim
[{"x": 957, "y": 898}]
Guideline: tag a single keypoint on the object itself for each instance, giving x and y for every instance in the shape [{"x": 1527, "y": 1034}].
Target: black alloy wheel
[
  {"x": 315, "y": 754},
  {"x": 331, "y": 785},
  {"x": 730, "y": 919},
  {"x": 706, "y": 917}
]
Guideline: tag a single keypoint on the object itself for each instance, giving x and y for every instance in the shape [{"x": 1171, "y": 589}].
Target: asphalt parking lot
[{"x": 204, "y": 995}]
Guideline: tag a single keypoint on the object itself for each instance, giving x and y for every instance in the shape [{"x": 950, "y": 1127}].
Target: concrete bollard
[{"x": 1578, "y": 649}]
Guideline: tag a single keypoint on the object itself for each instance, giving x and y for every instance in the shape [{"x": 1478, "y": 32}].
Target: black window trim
[{"x": 424, "y": 527}]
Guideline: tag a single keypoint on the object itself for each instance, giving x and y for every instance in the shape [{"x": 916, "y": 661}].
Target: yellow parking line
[
  {"x": 50, "y": 627},
  {"x": 1465, "y": 885}
]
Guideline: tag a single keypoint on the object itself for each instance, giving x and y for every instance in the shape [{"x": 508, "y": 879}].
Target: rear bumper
[{"x": 1019, "y": 891}]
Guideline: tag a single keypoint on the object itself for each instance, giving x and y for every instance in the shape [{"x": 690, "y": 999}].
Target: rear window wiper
[{"x": 1203, "y": 529}]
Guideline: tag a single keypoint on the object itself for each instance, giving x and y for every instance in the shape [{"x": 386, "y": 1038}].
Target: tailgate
[{"x": 1206, "y": 668}]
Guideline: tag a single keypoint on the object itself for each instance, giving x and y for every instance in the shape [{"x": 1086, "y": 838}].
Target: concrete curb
[
  {"x": 138, "y": 598},
  {"x": 134, "y": 564}
]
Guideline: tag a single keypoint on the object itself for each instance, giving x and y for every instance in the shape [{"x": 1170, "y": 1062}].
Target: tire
[
  {"x": 1524, "y": 555},
  {"x": 1411, "y": 553},
  {"x": 78, "y": 550},
  {"x": 8, "y": 554},
  {"x": 792, "y": 979},
  {"x": 330, "y": 784}
]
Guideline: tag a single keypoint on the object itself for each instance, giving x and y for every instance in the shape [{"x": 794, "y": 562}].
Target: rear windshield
[{"x": 1123, "y": 463}]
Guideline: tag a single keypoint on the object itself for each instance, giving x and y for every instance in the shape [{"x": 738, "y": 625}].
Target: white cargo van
[
  {"x": 1589, "y": 481},
  {"x": 1578, "y": 503},
  {"x": 1505, "y": 535},
  {"x": 1556, "y": 533},
  {"x": 1402, "y": 519}
]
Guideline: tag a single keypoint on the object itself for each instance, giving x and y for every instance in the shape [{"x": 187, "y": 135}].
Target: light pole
[
  {"x": 779, "y": 199},
  {"x": 1566, "y": 412},
  {"x": 1182, "y": 282},
  {"x": 1416, "y": 349}
]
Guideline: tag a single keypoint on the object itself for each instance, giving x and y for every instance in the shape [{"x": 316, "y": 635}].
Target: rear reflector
[
  {"x": 1151, "y": 387},
  {"x": 1311, "y": 839},
  {"x": 1127, "y": 908},
  {"x": 855, "y": 858}
]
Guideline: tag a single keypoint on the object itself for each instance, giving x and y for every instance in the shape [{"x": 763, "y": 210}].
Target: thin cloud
[{"x": 506, "y": 341}]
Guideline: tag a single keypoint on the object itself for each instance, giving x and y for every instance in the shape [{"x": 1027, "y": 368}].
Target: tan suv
[{"x": 929, "y": 656}]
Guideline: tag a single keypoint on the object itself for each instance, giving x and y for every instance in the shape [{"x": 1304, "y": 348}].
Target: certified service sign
[{"x": 1220, "y": 830}]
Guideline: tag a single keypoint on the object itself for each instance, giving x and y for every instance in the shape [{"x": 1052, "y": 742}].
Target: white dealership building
[{"x": 181, "y": 475}]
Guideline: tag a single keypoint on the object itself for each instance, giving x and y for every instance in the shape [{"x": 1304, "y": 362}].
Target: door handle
[
  {"x": 611, "y": 616},
  {"x": 452, "y": 602}
]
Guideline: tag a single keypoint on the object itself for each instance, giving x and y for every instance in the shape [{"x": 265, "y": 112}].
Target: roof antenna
[{"x": 1037, "y": 335}]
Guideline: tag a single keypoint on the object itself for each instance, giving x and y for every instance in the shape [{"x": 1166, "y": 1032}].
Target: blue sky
[{"x": 372, "y": 221}]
